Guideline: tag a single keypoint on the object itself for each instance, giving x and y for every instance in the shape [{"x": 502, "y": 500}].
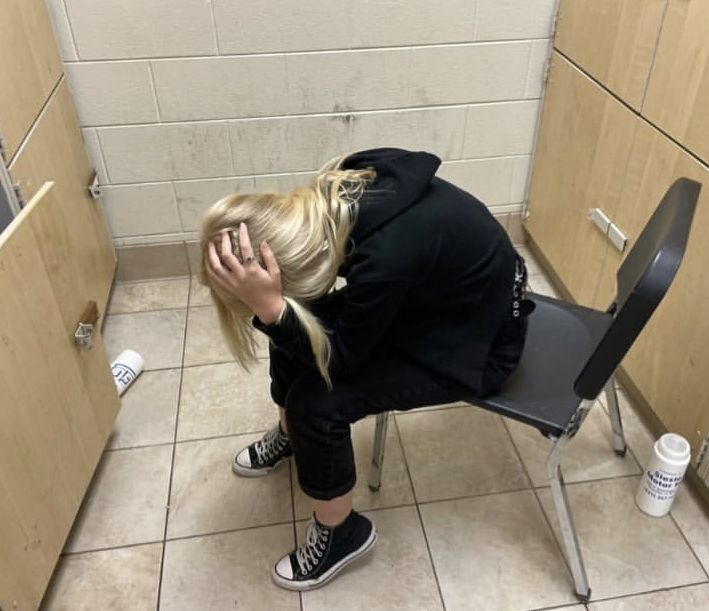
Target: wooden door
[
  {"x": 678, "y": 94},
  {"x": 613, "y": 40},
  {"x": 54, "y": 151},
  {"x": 31, "y": 67},
  {"x": 58, "y": 402},
  {"x": 670, "y": 358},
  {"x": 584, "y": 143}
]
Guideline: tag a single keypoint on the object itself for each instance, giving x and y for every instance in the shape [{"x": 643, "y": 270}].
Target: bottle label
[
  {"x": 660, "y": 485},
  {"x": 122, "y": 374}
]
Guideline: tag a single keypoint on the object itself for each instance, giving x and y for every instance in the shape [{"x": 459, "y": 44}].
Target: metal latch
[
  {"x": 83, "y": 337},
  {"x": 94, "y": 187}
]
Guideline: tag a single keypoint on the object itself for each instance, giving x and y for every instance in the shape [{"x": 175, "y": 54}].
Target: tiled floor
[{"x": 464, "y": 512}]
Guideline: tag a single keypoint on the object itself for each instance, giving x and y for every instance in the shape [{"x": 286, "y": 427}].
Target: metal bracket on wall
[
  {"x": 95, "y": 187},
  {"x": 608, "y": 228}
]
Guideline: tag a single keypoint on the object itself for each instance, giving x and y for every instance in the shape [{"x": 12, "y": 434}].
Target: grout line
[
  {"x": 154, "y": 89},
  {"x": 418, "y": 512},
  {"x": 94, "y": 550},
  {"x": 174, "y": 449},
  {"x": 297, "y": 173},
  {"x": 333, "y": 50},
  {"x": 71, "y": 31},
  {"x": 214, "y": 28},
  {"x": 594, "y": 481},
  {"x": 326, "y": 114},
  {"x": 227, "y": 531},
  {"x": 694, "y": 553},
  {"x": 653, "y": 591}
]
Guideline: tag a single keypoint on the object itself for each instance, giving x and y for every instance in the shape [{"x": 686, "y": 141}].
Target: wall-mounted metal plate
[
  {"x": 600, "y": 219},
  {"x": 617, "y": 237}
]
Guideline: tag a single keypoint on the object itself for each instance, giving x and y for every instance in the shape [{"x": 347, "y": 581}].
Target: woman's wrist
[{"x": 273, "y": 312}]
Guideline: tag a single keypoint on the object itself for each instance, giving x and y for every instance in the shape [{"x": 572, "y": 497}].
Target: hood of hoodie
[{"x": 402, "y": 177}]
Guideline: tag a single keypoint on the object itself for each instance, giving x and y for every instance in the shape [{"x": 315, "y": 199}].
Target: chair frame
[{"x": 569, "y": 537}]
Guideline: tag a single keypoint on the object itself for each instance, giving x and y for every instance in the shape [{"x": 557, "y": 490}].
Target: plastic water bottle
[
  {"x": 663, "y": 475},
  {"x": 126, "y": 368}
]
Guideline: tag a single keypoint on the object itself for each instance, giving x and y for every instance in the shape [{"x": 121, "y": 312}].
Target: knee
[{"x": 311, "y": 405}]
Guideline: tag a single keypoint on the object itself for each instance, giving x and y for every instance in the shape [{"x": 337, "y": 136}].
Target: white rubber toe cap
[
  {"x": 242, "y": 459},
  {"x": 283, "y": 568}
]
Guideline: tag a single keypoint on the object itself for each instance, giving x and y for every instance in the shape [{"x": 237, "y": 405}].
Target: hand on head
[{"x": 258, "y": 288}]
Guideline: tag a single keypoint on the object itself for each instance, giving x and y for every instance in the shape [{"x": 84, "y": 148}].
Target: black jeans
[{"x": 319, "y": 419}]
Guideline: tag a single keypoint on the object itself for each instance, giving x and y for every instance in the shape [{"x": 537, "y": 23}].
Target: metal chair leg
[
  {"x": 380, "y": 435},
  {"x": 619, "y": 446},
  {"x": 563, "y": 512}
]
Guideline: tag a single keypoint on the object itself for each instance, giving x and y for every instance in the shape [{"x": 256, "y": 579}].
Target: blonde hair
[{"x": 308, "y": 230}]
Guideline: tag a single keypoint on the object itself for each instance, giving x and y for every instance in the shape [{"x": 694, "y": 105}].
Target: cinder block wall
[{"x": 183, "y": 101}]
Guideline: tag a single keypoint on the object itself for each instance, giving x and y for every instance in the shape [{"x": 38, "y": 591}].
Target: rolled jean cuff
[{"x": 330, "y": 493}]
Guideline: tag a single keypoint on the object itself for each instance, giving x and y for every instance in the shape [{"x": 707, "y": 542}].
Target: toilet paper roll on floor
[{"x": 126, "y": 368}]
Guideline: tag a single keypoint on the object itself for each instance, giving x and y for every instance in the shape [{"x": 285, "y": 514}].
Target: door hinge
[
  {"x": 3, "y": 149},
  {"x": 94, "y": 187},
  {"x": 83, "y": 336}
]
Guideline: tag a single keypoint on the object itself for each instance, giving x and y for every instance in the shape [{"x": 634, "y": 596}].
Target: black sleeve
[{"x": 367, "y": 312}]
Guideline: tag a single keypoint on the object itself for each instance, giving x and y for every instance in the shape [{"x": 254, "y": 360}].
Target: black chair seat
[{"x": 560, "y": 340}]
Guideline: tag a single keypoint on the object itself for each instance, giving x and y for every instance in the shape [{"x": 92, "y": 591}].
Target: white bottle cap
[{"x": 673, "y": 448}]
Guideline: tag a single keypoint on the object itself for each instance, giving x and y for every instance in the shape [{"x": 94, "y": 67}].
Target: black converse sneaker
[
  {"x": 264, "y": 455},
  {"x": 325, "y": 553}
]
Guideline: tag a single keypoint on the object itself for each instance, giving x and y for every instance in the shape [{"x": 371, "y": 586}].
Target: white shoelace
[
  {"x": 309, "y": 555},
  {"x": 270, "y": 445}
]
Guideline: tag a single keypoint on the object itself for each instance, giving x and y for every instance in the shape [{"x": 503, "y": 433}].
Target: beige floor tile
[
  {"x": 148, "y": 410},
  {"x": 110, "y": 580},
  {"x": 694, "y": 523},
  {"x": 227, "y": 571},
  {"x": 199, "y": 294},
  {"x": 205, "y": 343},
  {"x": 396, "y": 575},
  {"x": 626, "y": 551},
  {"x": 533, "y": 266},
  {"x": 459, "y": 452},
  {"x": 396, "y": 486},
  {"x": 149, "y": 295},
  {"x": 495, "y": 552},
  {"x": 208, "y": 497},
  {"x": 125, "y": 503},
  {"x": 689, "y": 598},
  {"x": 540, "y": 284},
  {"x": 225, "y": 400},
  {"x": 157, "y": 336},
  {"x": 589, "y": 455}
]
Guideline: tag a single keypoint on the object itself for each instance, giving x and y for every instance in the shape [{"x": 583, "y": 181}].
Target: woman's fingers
[
  {"x": 215, "y": 263},
  {"x": 270, "y": 260},
  {"x": 228, "y": 258},
  {"x": 247, "y": 252}
]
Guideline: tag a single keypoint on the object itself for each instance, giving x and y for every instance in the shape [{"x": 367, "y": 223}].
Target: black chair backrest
[{"x": 643, "y": 279}]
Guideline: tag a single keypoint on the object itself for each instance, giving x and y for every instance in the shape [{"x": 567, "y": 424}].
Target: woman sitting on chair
[{"x": 430, "y": 314}]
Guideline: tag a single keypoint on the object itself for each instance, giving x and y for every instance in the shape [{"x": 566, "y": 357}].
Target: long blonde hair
[{"x": 308, "y": 230}]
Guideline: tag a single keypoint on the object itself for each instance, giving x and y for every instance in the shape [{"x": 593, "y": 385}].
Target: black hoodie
[{"x": 429, "y": 275}]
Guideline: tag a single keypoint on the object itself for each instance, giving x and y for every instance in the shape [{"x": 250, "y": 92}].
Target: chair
[{"x": 572, "y": 352}]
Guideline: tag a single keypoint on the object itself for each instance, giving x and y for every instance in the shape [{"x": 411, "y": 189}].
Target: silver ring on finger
[{"x": 248, "y": 260}]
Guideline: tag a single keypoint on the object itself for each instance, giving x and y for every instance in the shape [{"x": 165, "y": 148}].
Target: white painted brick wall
[{"x": 184, "y": 101}]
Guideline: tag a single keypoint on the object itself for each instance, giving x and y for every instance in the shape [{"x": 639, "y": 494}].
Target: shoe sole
[
  {"x": 331, "y": 573},
  {"x": 248, "y": 472}
]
